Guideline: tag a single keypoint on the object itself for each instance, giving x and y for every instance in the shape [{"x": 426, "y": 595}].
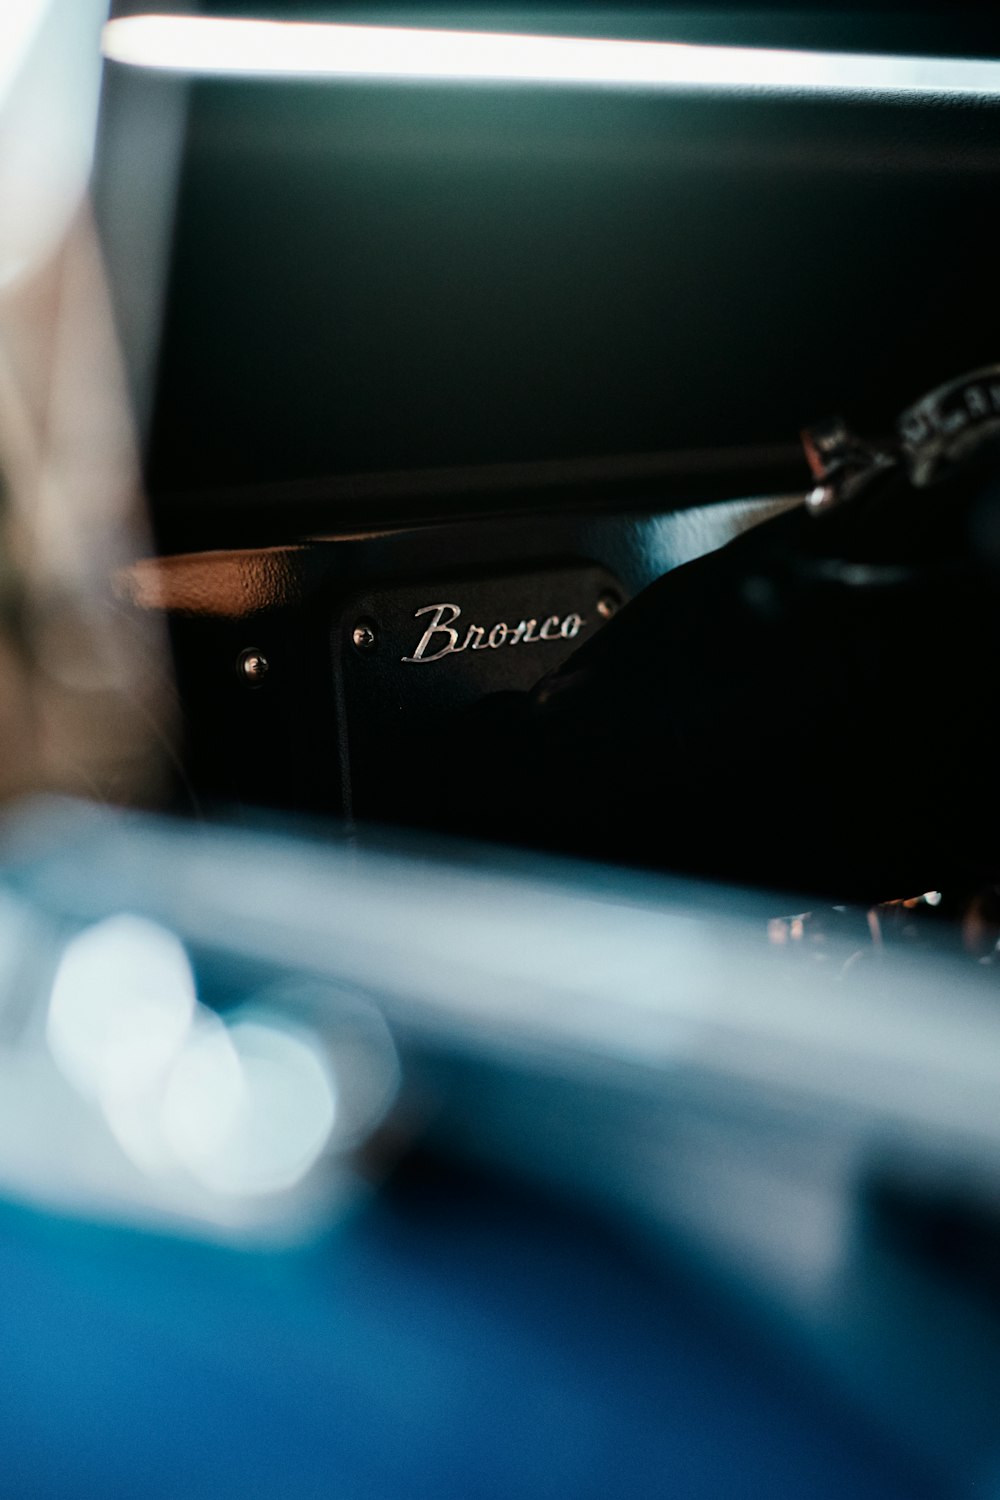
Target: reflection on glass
[
  {"x": 122, "y": 1004},
  {"x": 250, "y": 1108},
  {"x": 245, "y": 1108}
]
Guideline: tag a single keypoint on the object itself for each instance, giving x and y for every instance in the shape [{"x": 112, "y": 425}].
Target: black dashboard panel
[
  {"x": 336, "y": 727},
  {"x": 373, "y": 282},
  {"x": 391, "y": 309}
]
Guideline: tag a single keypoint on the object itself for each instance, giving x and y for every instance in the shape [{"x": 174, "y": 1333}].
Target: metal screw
[
  {"x": 253, "y": 666},
  {"x": 363, "y": 636},
  {"x": 608, "y": 605}
]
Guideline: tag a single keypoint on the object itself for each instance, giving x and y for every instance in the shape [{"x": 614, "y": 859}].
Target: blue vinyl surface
[{"x": 457, "y": 1338}]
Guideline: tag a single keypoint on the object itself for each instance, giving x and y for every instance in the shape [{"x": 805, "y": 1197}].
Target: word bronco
[{"x": 443, "y": 637}]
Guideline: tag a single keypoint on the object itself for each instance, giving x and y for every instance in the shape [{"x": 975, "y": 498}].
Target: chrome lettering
[
  {"x": 439, "y": 625},
  {"x": 441, "y": 637}
]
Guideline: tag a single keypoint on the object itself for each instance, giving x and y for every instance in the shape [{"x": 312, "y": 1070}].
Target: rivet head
[
  {"x": 607, "y": 605},
  {"x": 252, "y": 667},
  {"x": 363, "y": 635}
]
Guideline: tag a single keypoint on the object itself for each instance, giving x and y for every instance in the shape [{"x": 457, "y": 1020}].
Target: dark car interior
[
  {"x": 535, "y": 1033},
  {"x": 521, "y": 350}
]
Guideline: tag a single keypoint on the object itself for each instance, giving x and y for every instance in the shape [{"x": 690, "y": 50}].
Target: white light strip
[{"x": 203, "y": 45}]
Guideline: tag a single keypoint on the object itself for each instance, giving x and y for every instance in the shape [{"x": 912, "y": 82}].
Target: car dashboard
[{"x": 520, "y": 951}]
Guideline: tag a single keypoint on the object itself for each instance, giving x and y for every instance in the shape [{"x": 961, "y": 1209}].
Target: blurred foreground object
[
  {"x": 125, "y": 1097},
  {"x": 229, "y": 1034},
  {"x": 84, "y": 697}
]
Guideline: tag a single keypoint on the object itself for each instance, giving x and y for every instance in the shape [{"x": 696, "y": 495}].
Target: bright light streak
[
  {"x": 19, "y": 23},
  {"x": 49, "y": 82},
  {"x": 205, "y": 45}
]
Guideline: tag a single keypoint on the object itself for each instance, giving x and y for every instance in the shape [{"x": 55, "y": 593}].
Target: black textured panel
[
  {"x": 285, "y": 742},
  {"x": 405, "y": 656},
  {"x": 399, "y": 278}
]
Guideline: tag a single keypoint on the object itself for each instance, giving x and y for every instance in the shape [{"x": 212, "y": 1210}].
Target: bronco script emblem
[{"x": 441, "y": 638}]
